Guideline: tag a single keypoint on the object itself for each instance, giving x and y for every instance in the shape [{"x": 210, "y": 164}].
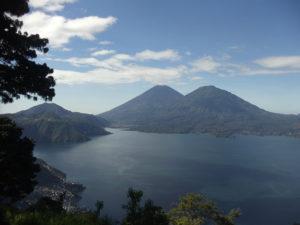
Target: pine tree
[
  {"x": 17, "y": 164},
  {"x": 19, "y": 73}
]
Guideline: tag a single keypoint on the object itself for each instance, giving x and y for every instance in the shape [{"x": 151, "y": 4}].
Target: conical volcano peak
[
  {"x": 209, "y": 90},
  {"x": 162, "y": 89},
  {"x": 45, "y": 108}
]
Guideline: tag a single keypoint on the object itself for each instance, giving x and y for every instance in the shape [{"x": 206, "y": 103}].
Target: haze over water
[{"x": 260, "y": 175}]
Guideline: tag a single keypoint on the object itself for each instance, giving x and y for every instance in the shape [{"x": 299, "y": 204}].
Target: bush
[{"x": 50, "y": 218}]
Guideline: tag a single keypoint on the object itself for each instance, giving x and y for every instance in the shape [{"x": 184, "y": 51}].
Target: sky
[{"x": 105, "y": 52}]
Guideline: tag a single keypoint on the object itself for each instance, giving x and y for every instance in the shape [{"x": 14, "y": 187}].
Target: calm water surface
[{"x": 260, "y": 175}]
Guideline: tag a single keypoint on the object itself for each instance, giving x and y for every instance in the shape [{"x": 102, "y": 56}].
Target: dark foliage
[
  {"x": 192, "y": 209},
  {"x": 99, "y": 206},
  {"x": 17, "y": 164},
  {"x": 47, "y": 204},
  {"x": 3, "y": 220},
  {"x": 153, "y": 215},
  {"x": 16, "y": 217},
  {"x": 133, "y": 207},
  {"x": 14, "y": 7},
  {"x": 19, "y": 74},
  {"x": 149, "y": 214},
  {"x": 195, "y": 209}
]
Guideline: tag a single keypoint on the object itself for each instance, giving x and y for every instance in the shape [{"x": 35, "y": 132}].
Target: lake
[{"x": 260, "y": 175}]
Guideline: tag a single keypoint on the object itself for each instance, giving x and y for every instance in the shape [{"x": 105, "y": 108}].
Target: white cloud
[
  {"x": 126, "y": 68},
  {"x": 118, "y": 68},
  {"x": 265, "y": 66},
  {"x": 113, "y": 62},
  {"x": 59, "y": 30},
  {"x": 141, "y": 56},
  {"x": 205, "y": 64},
  {"x": 275, "y": 62},
  {"x": 123, "y": 57},
  {"x": 105, "y": 43},
  {"x": 126, "y": 74},
  {"x": 168, "y": 54},
  {"x": 80, "y": 61},
  {"x": 196, "y": 78},
  {"x": 103, "y": 52},
  {"x": 49, "y": 5},
  {"x": 261, "y": 71},
  {"x": 92, "y": 49},
  {"x": 66, "y": 49}
]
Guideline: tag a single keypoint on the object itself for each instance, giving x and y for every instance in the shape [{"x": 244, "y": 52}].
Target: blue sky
[{"x": 106, "y": 52}]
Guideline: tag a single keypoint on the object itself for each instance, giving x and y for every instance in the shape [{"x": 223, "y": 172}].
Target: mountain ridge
[
  {"x": 51, "y": 123},
  {"x": 207, "y": 109},
  {"x": 150, "y": 102},
  {"x": 44, "y": 108}
]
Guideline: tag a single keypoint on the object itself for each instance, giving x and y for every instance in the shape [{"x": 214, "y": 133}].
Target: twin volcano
[
  {"x": 161, "y": 109},
  {"x": 205, "y": 110}
]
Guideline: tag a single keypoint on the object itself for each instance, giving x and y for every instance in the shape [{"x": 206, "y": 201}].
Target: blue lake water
[{"x": 260, "y": 175}]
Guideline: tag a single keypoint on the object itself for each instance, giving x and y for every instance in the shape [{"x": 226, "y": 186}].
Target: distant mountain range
[
  {"x": 206, "y": 110},
  {"x": 50, "y": 123},
  {"x": 161, "y": 110}
]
